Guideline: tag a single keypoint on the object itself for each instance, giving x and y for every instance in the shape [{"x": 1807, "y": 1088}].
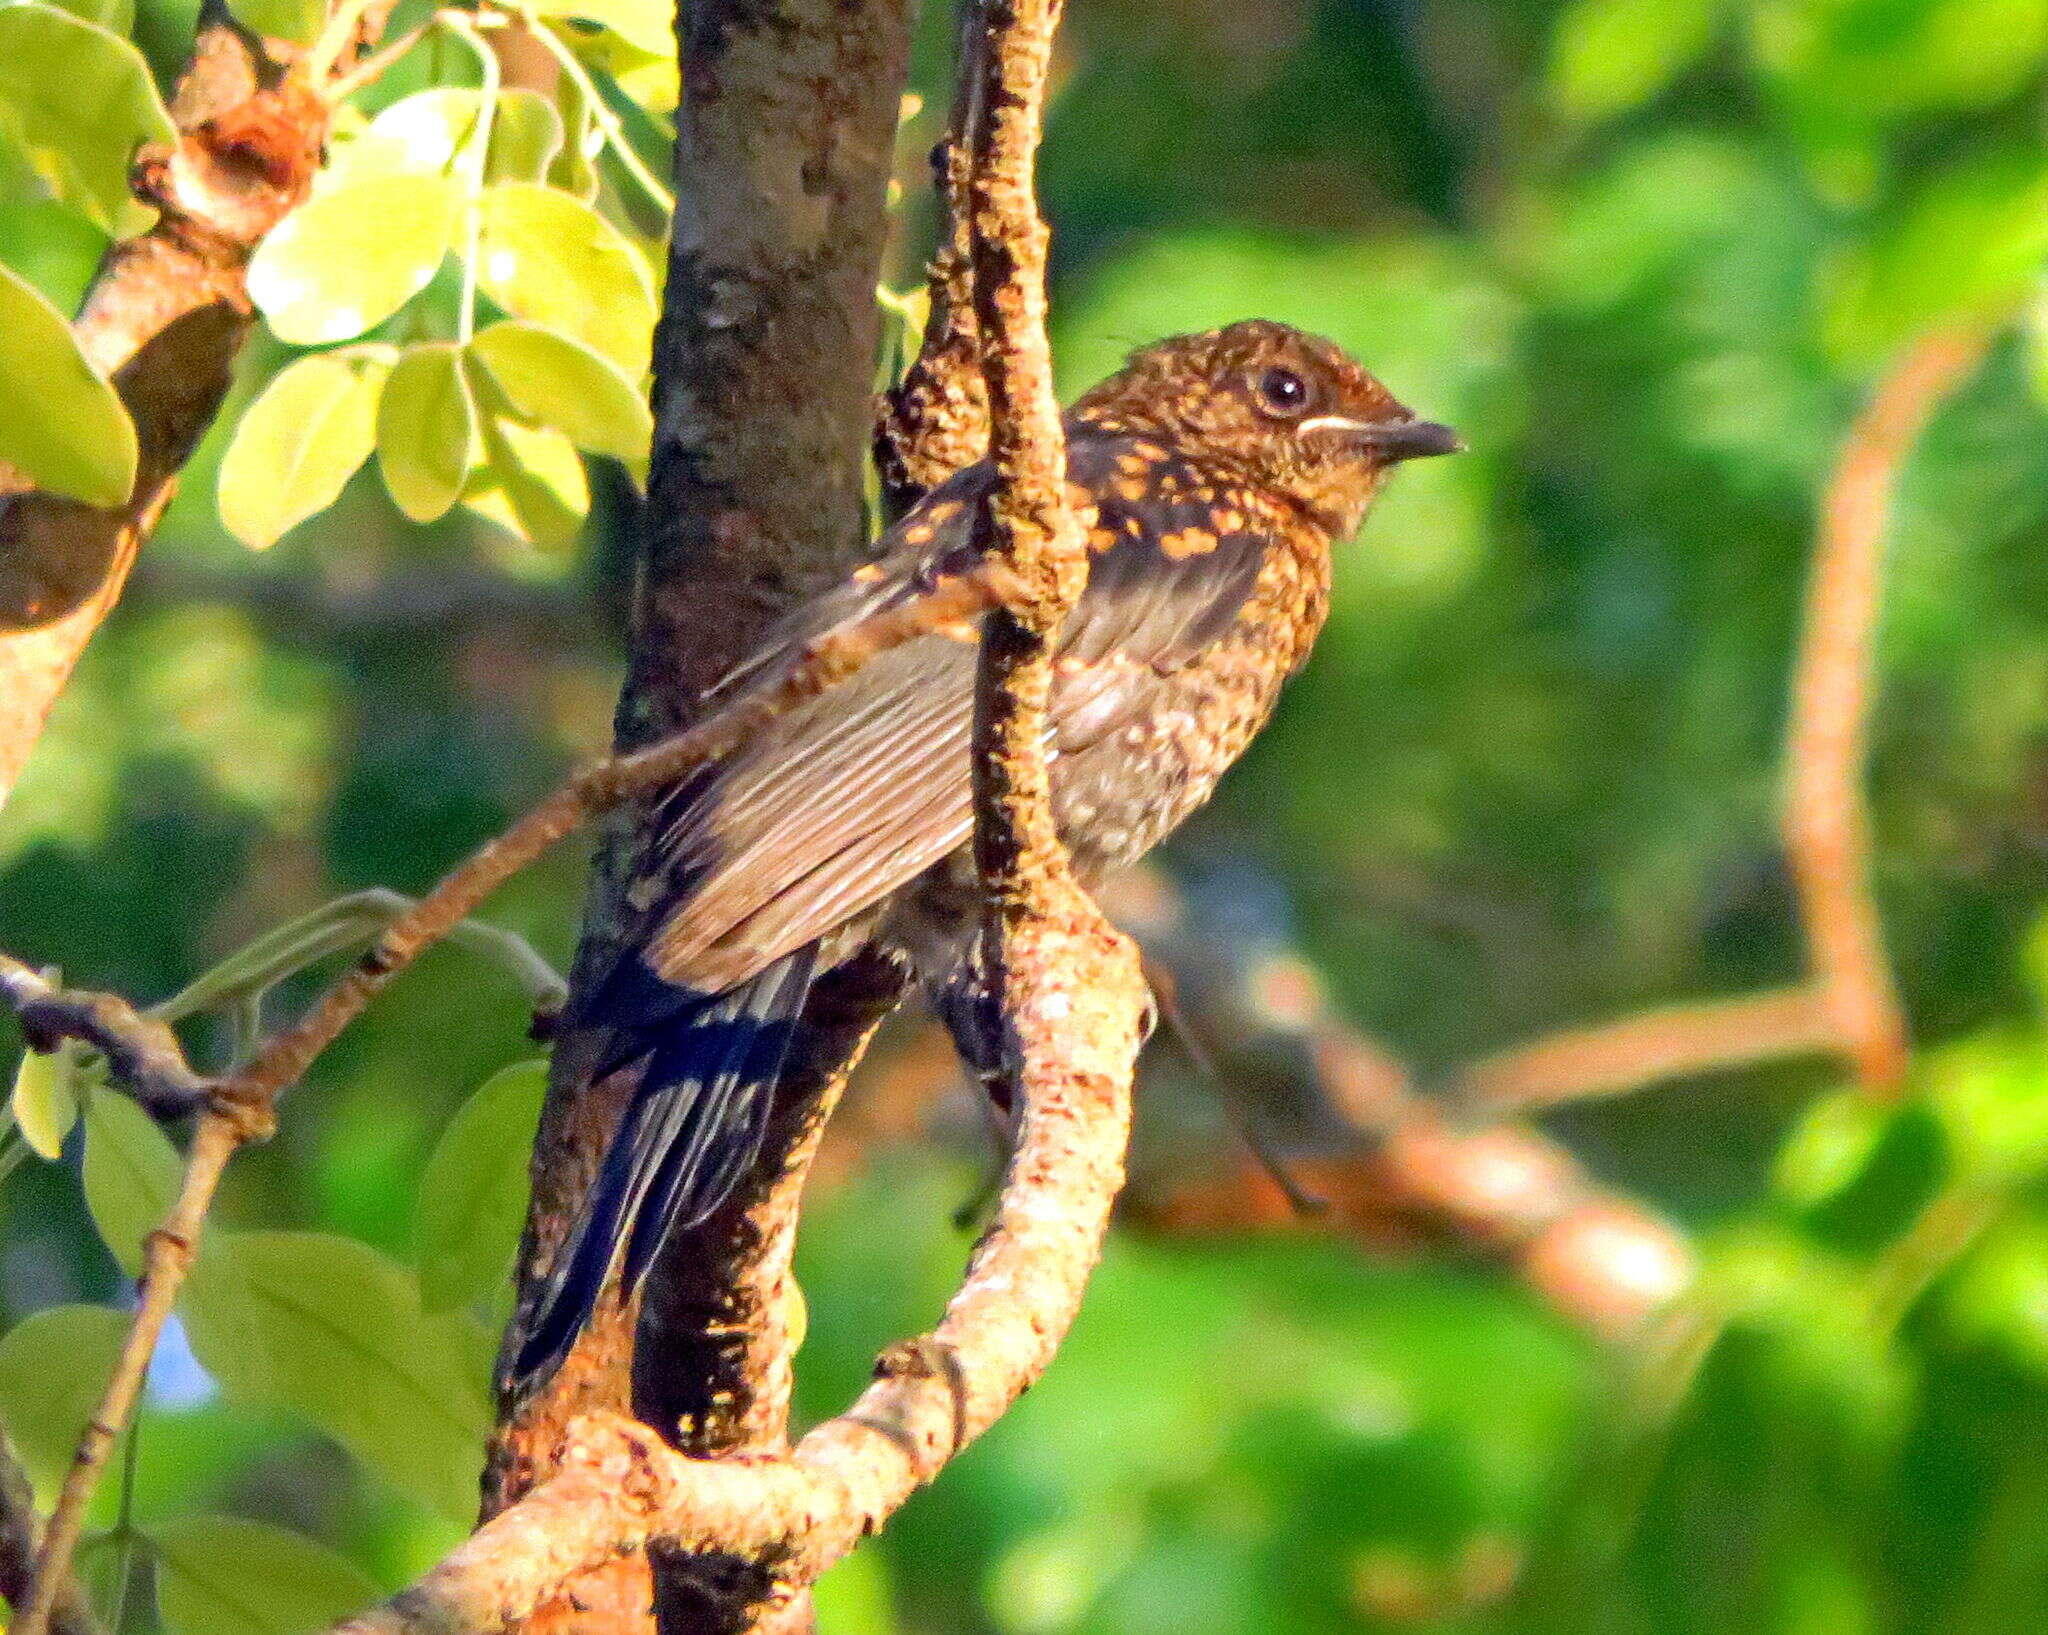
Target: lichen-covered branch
[{"x": 164, "y": 321}]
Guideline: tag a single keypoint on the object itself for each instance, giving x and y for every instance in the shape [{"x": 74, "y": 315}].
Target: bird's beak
[
  {"x": 1392, "y": 440},
  {"x": 1410, "y": 439}
]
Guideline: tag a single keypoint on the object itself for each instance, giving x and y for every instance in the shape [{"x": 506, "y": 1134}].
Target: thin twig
[
  {"x": 167, "y": 1254},
  {"x": 1826, "y": 824},
  {"x": 1669, "y": 1042},
  {"x": 142, "y": 1053},
  {"x": 21, "y": 1537}
]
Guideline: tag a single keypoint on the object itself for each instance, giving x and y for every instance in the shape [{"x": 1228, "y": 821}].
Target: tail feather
[{"x": 692, "y": 1130}]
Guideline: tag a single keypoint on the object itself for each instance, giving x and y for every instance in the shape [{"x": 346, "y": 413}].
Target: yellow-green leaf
[
  {"x": 352, "y": 256},
  {"x": 531, "y": 483},
  {"x": 560, "y": 383},
  {"x": 473, "y": 1194},
  {"x": 81, "y": 100},
  {"x": 299, "y": 442},
  {"x": 549, "y": 258},
  {"x": 426, "y": 431},
  {"x": 433, "y": 133},
  {"x": 647, "y": 24},
  {"x": 1608, "y": 56},
  {"x": 295, "y": 21},
  {"x": 132, "y": 1173},
  {"x": 53, "y": 1367},
  {"x": 223, "y": 1575},
  {"x": 63, "y": 424},
  {"x": 46, "y": 1096},
  {"x": 331, "y": 1330}
]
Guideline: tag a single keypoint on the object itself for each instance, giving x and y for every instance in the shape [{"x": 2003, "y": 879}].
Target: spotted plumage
[{"x": 1212, "y": 476}]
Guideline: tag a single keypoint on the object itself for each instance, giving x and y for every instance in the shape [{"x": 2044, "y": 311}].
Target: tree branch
[
  {"x": 164, "y": 322},
  {"x": 1826, "y": 825},
  {"x": 146, "y": 1061},
  {"x": 21, "y": 1539}
]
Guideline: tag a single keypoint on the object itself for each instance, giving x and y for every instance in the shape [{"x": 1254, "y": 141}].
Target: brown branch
[
  {"x": 936, "y": 419},
  {"x": 167, "y": 1255},
  {"x": 1826, "y": 824},
  {"x": 164, "y": 322},
  {"x": 21, "y": 1539},
  {"x": 1073, "y": 999},
  {"x": 147, "y": 1062},
  {"x": 1669, "y": 1042},
  {"x": 143, "y": 1054}
]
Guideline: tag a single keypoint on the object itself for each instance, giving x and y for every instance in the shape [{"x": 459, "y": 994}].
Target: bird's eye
[{"x": 1283, "y": 392}]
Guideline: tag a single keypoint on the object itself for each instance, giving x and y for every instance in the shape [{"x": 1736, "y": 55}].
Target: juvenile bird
[{"x": 1213, "y": 474}]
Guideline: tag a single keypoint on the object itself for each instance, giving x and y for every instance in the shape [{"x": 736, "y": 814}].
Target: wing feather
[{"x": 860, "y": 791}]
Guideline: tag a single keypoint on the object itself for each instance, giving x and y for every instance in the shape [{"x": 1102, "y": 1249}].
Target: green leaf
[
  {"x": 548, "y": 257},
  {"x": 299, "y": 443},
  {"x": 81, "y": 100},
  {"x": 556, "y": 382},
  {"x": 79, "y": 441},
  {"x": 352, "y": 256},
  {"x": 47, "y": 1091},
  {"x": 1971, "y": 243},
  {"x": 1609, "y": 56},
  {"x": 426, "y": 431},
  {"x": 331, "y": 1330},
  {"x": 531, "y": 483},
  {"x": 649, "y": 25},
  {"x": 116, "y": 16},
  {"x": 132, "y": 1175},
  {"x": 222, "y": 1575},
  {"x": 53, "y": 1367},
  {"x": 296, "y": 21},
  {"x": 473, "y": 1195},
  {"x": 433, "y": 133}
]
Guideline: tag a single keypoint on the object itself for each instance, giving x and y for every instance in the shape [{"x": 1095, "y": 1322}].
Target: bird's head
[{"x": 1273, "y": 406}]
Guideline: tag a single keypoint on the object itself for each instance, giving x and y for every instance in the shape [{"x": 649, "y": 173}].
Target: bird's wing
[{"x": 859, "y": 791}]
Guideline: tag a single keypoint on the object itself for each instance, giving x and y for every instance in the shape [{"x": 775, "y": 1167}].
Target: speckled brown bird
[{"x": 1214, "y": 474}]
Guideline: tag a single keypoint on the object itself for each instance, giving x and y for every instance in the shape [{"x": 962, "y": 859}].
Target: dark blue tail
[{"x": 692, "y": 1130}]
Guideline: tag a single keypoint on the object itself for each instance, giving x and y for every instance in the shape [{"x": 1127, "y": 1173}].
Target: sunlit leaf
[
  {"x": 472, "y": 1197},
  {"x": 47, "y": 1092},
  {"x": 1608, "y": 56},
  {"x": 298, "y": 444},
  {"x": 225, "y": 1575},
  {"x": 53, "y": 1366},
  {"x": 1971, "y": 244},
  {"x": 80, "y": 441},
  {"x": 1876, "y": 59},
  {"x": 295, "y": 21},
  {"x": 433, "y": 133},
  {"x": 1986, "y": 1090},
  {"x": 117, "y": 16},
  {"x": 426, "y": 431},
  {"x": 81, "y": 100},
  {"x": 531, "y": 483},
  {"x": 352, "y": 256},
  {"x": 331, "y": 1330},
  {"x": 131, "y": 1175},
  {"x": 556, "y": 382},
  {"x": 549, "y": 258},
  {"x": 647, "y": 24}
]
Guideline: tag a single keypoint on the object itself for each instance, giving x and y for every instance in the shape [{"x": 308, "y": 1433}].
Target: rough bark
[{"x": 762, "y": 363}]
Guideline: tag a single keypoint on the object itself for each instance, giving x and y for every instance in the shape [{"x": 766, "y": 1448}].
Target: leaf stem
[{"x": 601, "y": 113}]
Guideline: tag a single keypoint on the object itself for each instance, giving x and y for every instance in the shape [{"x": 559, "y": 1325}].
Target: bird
[{"x": 1213, "y": 474}]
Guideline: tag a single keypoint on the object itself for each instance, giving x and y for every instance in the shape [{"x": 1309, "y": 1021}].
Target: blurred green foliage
[{"x": 1648, "y": 256}]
